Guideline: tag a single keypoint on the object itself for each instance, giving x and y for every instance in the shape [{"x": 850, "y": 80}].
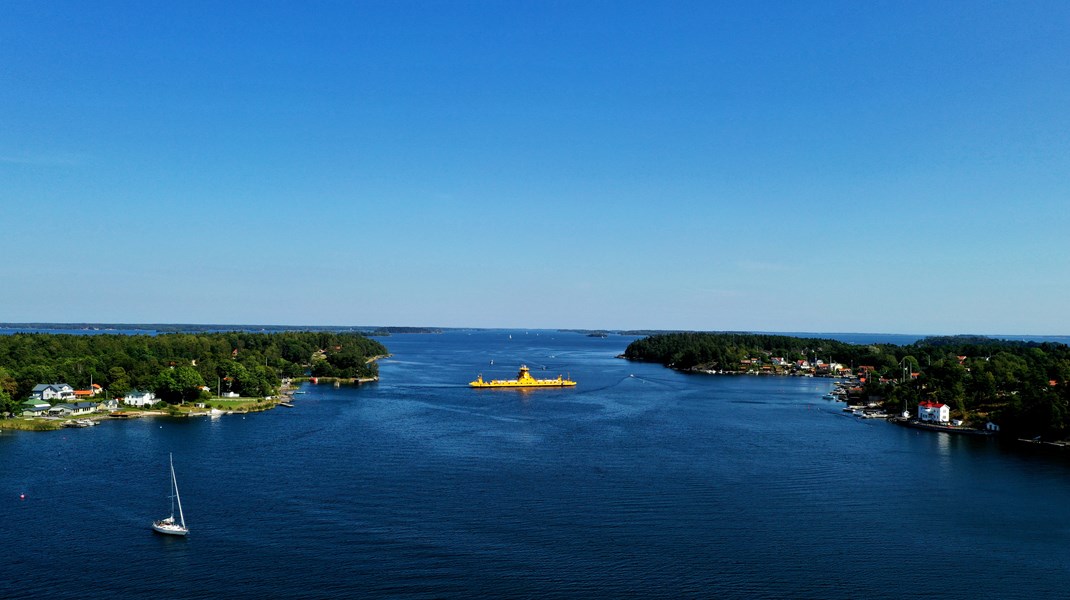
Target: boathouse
[{"x": 934, "y": 412}]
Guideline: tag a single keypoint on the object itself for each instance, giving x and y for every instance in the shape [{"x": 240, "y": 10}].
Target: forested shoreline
[
  {"x": 1023, "y": 386},
  {"x": 177, "y": 366}
]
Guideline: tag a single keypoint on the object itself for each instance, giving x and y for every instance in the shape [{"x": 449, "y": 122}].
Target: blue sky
[{"x": 771, "y": 166}]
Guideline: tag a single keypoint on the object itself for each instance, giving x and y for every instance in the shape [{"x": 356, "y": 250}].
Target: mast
[{"x": 174, "y": 482}]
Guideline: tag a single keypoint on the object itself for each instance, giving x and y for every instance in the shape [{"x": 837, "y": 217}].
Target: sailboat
[{"x": 169, "y": 526}]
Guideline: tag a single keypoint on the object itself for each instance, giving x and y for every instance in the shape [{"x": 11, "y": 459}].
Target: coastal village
[
  {"x": 930, "y": 415},
  {"x": 172, "y": 375},
  {"x": 57, "y": 405}
]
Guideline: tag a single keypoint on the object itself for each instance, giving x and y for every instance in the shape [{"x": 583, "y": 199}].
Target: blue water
[{"x": 639, "y": 483}]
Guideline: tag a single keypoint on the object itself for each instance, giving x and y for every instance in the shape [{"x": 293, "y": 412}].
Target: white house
[
  {"x": 139, "y": 398},
  {"x": 934, "y": 412},
  {"x": 109, "y": 404},
  {"x": 53, "y": 391}
]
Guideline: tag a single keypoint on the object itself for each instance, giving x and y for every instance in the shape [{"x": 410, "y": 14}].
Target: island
[
  {"x": 1021, "y": 389},
  {"x": 48, "y": 379}
]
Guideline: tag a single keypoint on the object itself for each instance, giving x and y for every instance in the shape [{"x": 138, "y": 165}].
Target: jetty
[{"x": 946, "y": 428}]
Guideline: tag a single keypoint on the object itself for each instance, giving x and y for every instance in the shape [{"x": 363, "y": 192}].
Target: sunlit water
[{"x": 640, "y": 482}]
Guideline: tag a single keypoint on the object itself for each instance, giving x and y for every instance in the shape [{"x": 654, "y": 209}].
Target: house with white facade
[
  {"x": 52, "y": 391},
  {"x": 933, "y": 412},
  {"x": 139, "y": 398}
]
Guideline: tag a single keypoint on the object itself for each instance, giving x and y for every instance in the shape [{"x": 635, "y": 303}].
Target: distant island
[
  {"x": 387, "y": 331},
  {"x": 1024, "y": 387},
  {"x": 172, "y": 368},
  {"x": 210, "y": 328}
]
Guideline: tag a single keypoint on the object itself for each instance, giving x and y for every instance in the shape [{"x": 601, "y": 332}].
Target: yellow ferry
[{"x": 523, "y": 379}]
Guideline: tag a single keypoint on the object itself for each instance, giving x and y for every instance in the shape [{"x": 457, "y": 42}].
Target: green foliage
[
  {"x": 176, "y": 385},
  {"x": 7, "y": 403},
  {"x": 176, "y": 365},
  {"x": 8, "y": 392},
  {"x": 1024, "y": 386},
  {"x": 725, "y": 351}
]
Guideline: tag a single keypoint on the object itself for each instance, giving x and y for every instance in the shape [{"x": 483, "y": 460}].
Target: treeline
[
  {"x": 177, "y": 366},
  {"x": 727, "y": 351},
  {"x": 1022, "y": 386}
]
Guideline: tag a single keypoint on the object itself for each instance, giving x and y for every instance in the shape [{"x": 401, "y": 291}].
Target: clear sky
[{"x": 773, "y": 166}]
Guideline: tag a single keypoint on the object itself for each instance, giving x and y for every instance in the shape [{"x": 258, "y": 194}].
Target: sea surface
[{"x": 639, "y": 483}]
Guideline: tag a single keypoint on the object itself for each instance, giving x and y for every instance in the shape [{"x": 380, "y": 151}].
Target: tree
[
  {"x": 7, "y": 403},
  {"x": 8, "y": 384},
  {"x": 118, "y": 383},
  {"x": 180, "y": 384}
]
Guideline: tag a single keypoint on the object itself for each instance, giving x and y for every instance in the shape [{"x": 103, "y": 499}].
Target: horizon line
[{"x": 118, "y": 325}]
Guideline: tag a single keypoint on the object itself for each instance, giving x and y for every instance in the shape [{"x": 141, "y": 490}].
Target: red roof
[{"x": 928, "y": 404}]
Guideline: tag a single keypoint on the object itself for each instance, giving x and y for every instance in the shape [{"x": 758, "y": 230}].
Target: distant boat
[{"x": 169, "y": 526}]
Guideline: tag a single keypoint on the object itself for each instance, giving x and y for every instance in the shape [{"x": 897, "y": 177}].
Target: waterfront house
[
  {"x": 934, "y": 412},
  {"x": 91, "y": 392},
  {"x": 109, "y": 404},
  {"x": 83, "y": 408},
  {"x": 990, "y": 426},
  {"x": 35, "y": 408},
  {"x": 52, "y": 391},
  {"x": 61, "y": 410},
  {"x": 139, "y": 398}
]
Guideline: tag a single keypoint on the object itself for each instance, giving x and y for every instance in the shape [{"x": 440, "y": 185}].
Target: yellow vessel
[{"x": 523, "y": 380}]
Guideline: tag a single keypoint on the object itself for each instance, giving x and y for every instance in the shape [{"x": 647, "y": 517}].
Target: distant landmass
[
  {"x": 1023, "y": 385},
  {"x": 212, "y": 328}
]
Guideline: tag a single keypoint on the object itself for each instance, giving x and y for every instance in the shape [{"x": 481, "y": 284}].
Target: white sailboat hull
[{"x": 169, "y": 528}]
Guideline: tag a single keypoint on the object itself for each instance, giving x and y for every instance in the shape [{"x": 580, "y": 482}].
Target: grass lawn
[
  {"x": 29, "y": 424},
  {"x": 248, "y": 404}
]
